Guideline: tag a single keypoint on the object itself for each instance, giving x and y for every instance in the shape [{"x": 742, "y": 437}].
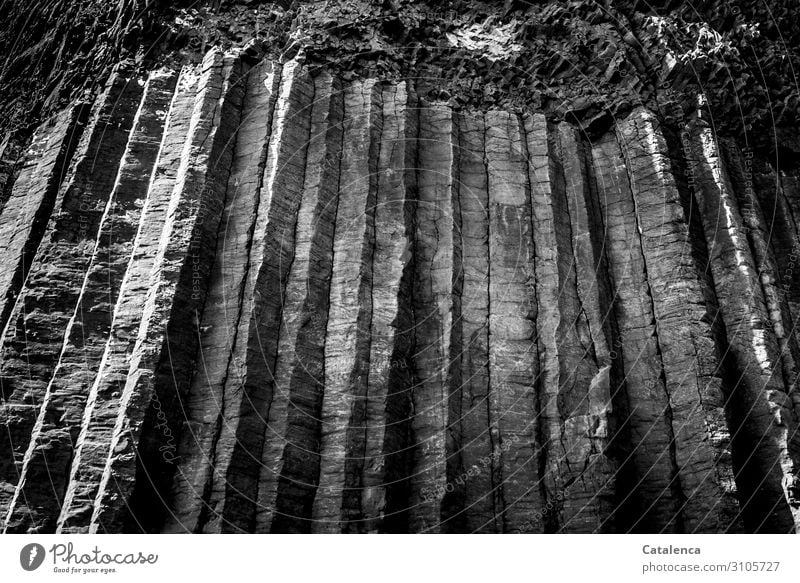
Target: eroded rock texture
[{"x": 244, "y": 296}]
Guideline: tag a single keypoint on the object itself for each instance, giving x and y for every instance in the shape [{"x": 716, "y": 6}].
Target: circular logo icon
[{"x": 31, "y": 556}]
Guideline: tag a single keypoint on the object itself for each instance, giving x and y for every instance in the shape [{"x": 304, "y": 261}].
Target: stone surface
[{"x": 254, "y": 295}]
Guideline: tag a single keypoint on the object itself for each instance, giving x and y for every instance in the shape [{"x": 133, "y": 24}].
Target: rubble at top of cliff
[{"x": 590, "y": 61}]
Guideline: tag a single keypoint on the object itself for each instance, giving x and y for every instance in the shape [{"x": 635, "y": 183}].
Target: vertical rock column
[
  {"x": 513, "y": 353},
  {"x": 205, "y": 402},
  {"x": 435, "y": 251},
  {"x": 45, "y": 469},
  {"x": 655, "y": 497},
  {"x": 759, "y": 230},
  {"x": 761, "y": 409},
  {"x": 251, "y": 402},
  {"x": 25, "y": 213},
  {"x": 389, "y": 386},
  {"x": 783, "y": 237},
  {"x": 576, "y": 331},
  {"x": 546, "y": 180},
  {"x": 287, "y": 492},
  {"x": 34, "y": 335},
  {"x": 283, "y": 261},
  {"x": 685, "y": 341},
  {"x": 347, "y": 345},
  {"x": 779, "y": 193},
  {"x": 137, "y": 471},
  {"x": 477, "y": 512}
]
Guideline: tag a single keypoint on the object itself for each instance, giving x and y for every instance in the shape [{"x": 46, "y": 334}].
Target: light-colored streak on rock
[
  {"x": 349, "y": 317},
  {"x": 435, "y": 238},
  {"x": 763, "y": 412},
  {"x": 161, "y": 360},
  {"x": 46, "y": 465},
  {"x": 34, "y": 334},
  {"x": 513, "y": 354},
  {"x": 100, "y": 413},
  {"x": 249, "y": 394},
  {"x": 220, "y": 321}
]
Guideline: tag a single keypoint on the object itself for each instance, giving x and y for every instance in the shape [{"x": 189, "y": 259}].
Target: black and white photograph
[{"x": 399, "y": 267}]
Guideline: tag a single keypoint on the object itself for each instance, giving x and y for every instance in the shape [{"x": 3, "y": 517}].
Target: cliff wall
[{"x": 253, "y": 293}]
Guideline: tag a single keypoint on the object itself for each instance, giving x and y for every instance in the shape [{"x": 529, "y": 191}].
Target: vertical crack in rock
[
  {"x": 347, "y": 344},
  {"x": 102, "y": 405},
  {"x": 251, "y": 401},
  {"x": 207, "y": 415},
  {"x": 513, "y": 354},
  {"x": 435, "y": 238},
  {"x": 762, "y": 410},
  {"x": 45, "y": 469},
  {"x": 34, "y": 335},
  {"x": 140, "y": 461}
]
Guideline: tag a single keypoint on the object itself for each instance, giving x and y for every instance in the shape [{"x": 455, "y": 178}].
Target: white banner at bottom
[{"x": 400, "y": 558}]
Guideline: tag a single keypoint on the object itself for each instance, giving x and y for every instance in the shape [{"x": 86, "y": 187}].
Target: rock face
[
  {"x": 255, "y": 298},
  {"x": 252, "y": 295}
]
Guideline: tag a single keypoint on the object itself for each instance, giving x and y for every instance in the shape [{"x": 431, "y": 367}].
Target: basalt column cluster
[{"x": 250, "y": 296}]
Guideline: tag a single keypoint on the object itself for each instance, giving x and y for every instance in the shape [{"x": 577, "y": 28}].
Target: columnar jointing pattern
[{"x": 247, "y": 297}]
